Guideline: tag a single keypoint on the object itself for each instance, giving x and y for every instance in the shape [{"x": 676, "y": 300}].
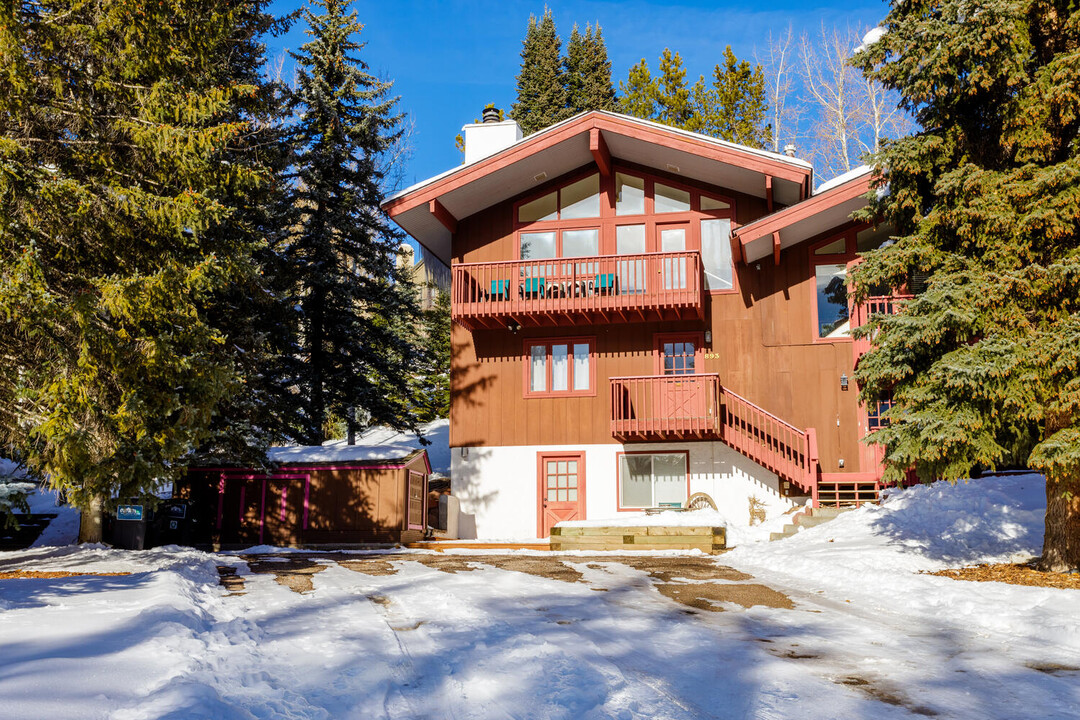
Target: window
[
  {"x": 830, "y": 259},
  {"x": 580, "y": 199},
  {"x": 716, "y": 253},
  {"x": 559, "y": 367},
  {"x": 629, "y": 195},
  {"x": 669, "y": 199},
  {"x": 832, "y": 305},
  {"x": 652, "y": 480},
  {"x": 874, "y": 411}
]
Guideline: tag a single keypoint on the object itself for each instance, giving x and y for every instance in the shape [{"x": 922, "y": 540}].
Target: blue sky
[{"x": 449, "y": 59}]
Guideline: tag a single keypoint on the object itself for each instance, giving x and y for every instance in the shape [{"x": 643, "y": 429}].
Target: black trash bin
[
  {"x": 173, "y": 523},
  {"x": 129, "y": 529}
]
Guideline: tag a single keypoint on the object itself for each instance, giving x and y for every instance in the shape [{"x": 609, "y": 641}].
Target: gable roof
[
  {"x": 430, "y": 208},
  {"x": 830, "y": 207}
]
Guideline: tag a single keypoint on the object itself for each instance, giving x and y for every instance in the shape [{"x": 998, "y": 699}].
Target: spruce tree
[
  {"x": 433, "y": 385},
  {"x": 133, "y": 136},
  {"x": 588, "y": 73},
  {"x": 984, "y": 365},
  {"x": 733, "y": 107},
  {"x": 638, "y": 93},
  {"x": 541, "y": 87},
  {"x": 360, "y": 312},
  {"x": 673, "y": 105}
]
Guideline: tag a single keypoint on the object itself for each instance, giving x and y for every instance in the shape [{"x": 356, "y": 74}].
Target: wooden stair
[{"x": 847, "y": 493}]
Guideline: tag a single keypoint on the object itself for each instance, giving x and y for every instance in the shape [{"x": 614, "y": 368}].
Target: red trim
[
  {"x": 805, "y": 209},
  {"x": 443, "y": 215},
  {"x": 627, "y": 127},
  {"x": 698, "y": 338},
  {"x": 526, "y": 357},
  {"x": 618, "y": 475},
  {"x": 601, "y": 154},
  {"x": 541, "y": 482}
]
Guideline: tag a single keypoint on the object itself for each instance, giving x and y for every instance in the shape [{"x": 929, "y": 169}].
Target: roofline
[
  {"x": 764, "y": 161},
  {"x": 780, "y": 219}
]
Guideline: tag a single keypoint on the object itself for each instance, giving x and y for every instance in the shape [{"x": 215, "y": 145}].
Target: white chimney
[{"x": 489, "y": 137}]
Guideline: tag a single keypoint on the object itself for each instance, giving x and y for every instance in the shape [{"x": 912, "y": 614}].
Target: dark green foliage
[
  {"x": 541, "y": 85},
  {"x": 433, "y": 391},
  {"x": 985, "y": 365},
  {"x": 588, "y": 73},
  {"x": 732, "y": 107},
  {"x": 360, "y": 313},
  {"x": 134, "y": 139}
]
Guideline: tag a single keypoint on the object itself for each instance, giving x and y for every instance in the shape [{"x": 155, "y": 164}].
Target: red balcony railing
[
  {"x": 651, "y": 286},
  {"x": 876, "y": 305},
  {"x": 675, "y": 407}
]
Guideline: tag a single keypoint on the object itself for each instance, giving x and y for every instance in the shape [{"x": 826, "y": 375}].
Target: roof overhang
[
  {"x": 429, "y": 211},
  {"x": 792, "y": 225}
]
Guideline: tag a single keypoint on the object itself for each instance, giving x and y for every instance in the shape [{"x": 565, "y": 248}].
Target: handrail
[
  {"x": 565, "y": 286},
  {"x": 657, "y": 406}
]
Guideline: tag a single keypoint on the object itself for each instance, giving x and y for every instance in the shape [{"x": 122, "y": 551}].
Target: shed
[{"x": 335, "y": 494}]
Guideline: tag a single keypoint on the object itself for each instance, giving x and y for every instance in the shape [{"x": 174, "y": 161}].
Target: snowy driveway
[{"x": 837, "y": 622}]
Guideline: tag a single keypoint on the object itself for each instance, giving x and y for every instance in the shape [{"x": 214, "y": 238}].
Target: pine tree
[
  {"x": 736, "y": 107},
  {"x": 541, "y": 87},
  {"x": 673, "y": 106},
  {"x": 132, "y": 140},
  {"x": 638, "y": 93},
  {"x": 985, "y": 364},
  {"x": 433, "y": 391},
  {"x": 588, "y": 73},
  {"x": 359, "y": 308}
]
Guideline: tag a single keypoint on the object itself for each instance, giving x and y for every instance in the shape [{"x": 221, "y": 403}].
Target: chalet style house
[{"x": 641, "y": 314}]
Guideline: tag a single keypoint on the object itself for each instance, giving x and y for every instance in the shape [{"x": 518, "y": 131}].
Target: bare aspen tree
[
  {"x": 830, "y": 84},
  {"x": 778, "y": 65}
]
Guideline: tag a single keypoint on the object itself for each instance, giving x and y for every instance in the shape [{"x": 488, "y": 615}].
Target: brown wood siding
[{"x": 762, "y": 347}]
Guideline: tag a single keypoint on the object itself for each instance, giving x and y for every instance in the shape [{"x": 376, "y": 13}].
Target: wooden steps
[{"x": 710, "y": 540}]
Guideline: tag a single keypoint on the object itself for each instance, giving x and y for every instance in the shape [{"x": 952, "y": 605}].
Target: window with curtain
[{"x": 562, "y": 367}]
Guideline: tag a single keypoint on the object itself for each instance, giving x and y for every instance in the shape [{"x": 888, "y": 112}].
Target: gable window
[
  {"x": 559, "y": 367},
  {"x": 580, "y": 199},
  {"x": 830, "y": 260},
  {"x": 652, "y": 480}
]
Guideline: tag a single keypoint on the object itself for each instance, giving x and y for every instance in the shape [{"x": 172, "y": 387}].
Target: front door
[
  {"x": 681, "y": 400},
  {"x": 561, "y": 489}
]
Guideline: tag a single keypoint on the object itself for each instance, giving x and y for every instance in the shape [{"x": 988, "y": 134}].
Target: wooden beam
[
  {"x": 736, "y": 250},
  {"x": 768, "y": 193},
  {"x": 598, "y": 147},
  {"x": 443, "y": 215},
  {"x": 776, "y": 247}
]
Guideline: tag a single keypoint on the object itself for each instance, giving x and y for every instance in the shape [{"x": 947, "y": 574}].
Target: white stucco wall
[{"x": 498, "y": 484}]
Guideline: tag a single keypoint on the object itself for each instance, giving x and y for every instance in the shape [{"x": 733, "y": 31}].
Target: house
[
  {"x": 373, "y": 491},
  {"x": 430, "y": 274},
  {"x": 641, "y": 314}
]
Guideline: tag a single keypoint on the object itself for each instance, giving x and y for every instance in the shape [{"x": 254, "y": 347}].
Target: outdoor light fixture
[
  {"x": 843, "y": 381},
  {"x": 708, "y": 337},
  {"x": 513, "y": 327}
]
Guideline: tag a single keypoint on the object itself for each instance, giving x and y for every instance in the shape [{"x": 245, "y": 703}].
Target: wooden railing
[
  {"x": 644, "y": 286},
  {"x": 664, "y": 407},
  {"x": 876, "y": 305}
]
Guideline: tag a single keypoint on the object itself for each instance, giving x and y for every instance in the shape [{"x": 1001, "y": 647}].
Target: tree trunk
[
  {"x": 1061, "y": 543},
  {"x": 90, "y": 521}
]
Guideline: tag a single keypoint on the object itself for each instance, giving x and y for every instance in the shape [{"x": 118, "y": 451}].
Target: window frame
[
  {"x": 526, "y": 363},
  {"x": 845, "y": 258},
  {"x": 541, "y": 483},
  {"x": 698, "y": 338},
  {"x": 607, "y": 222},
  {"x": 619, "y": 507}
]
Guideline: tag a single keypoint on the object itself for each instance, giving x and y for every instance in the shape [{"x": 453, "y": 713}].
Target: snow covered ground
[{"x": 868, "y": 636}]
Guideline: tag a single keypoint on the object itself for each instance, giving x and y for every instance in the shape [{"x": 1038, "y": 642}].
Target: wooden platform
[{"x": 710, "y": 540}]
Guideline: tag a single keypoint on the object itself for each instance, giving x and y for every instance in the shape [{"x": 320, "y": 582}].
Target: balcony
[
  {"x": 660, "y": 408},
  {"x": 582, "y": 290}
]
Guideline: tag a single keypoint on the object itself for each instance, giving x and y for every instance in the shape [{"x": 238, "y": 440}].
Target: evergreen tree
[
  {"x": 433, "y": 392},
  {"x": 985, "y": 364},
  {"x": 541, "y": 87},
  {"x": 359, "y": 308},
  {"x": 638, "y": 93},
  {"x": 132, "y": 138},
  {"x": 673, "y": 105},
  {"x": 588, "y": 73},
  {"x": 733, "y": 107}
]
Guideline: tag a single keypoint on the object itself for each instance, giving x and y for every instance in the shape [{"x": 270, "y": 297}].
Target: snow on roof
[
  {"x": 374, "y": 444},
  {"x": 841, "y": 179}
]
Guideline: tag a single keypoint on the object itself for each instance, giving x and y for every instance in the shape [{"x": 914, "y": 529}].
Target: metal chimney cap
[
  {"x": 789, "y": 150},
  {"x": 490, "y": 115}
]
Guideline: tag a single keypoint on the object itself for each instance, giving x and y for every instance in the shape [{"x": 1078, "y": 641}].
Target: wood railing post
[{"x": 812, "y": 465}]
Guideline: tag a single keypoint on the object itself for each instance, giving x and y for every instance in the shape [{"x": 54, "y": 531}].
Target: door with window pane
[
  {"x": 561, "y": 489},
  {"x": 672, "y": 237},
  {"x": 681, "y": 400}
]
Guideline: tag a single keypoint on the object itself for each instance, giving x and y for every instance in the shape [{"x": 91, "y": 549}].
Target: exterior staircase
[{"x": 810, "y": 517}]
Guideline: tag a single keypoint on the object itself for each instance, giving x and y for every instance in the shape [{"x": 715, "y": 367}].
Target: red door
[
  {"x": 681, "y": 401},
  {"x": 560, "y": 485}
]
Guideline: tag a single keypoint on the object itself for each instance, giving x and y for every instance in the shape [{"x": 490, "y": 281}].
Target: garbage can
[
  {"x": 129, "y": 530},
  {"x": 172, "y": 523}
]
